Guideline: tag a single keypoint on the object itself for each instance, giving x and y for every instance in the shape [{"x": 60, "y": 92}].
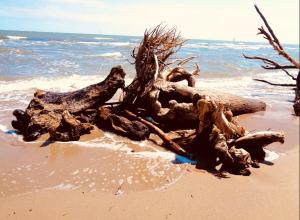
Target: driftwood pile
[{"x": 155, "y": 102}]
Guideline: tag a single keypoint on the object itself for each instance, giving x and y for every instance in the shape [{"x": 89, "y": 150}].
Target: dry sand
[{"x": 180, "y": 192}]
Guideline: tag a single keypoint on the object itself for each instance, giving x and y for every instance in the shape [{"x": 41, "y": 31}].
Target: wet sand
[{"x": 152, "y": 187}]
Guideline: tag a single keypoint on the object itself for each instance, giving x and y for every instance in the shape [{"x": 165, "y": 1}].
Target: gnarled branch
[{"x": 273, "y": 40}]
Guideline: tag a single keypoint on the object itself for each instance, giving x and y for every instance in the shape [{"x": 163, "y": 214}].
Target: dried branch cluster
[
  {"x": 154, "y": 103},
  {"x": 150, "y": 58},
  {"x": 274, "y": 42},
  {"x": 270, "y": 36}
]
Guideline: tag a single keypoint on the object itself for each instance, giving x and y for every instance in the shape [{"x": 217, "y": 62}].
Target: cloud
[
  {"x": 78, "y": 11},
  {"x": 80, "y": 3}
]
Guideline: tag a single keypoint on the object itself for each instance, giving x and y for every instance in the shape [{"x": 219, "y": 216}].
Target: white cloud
[{"x": 80, "y": 3}]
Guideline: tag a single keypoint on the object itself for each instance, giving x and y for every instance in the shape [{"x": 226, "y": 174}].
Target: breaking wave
[
  {"x": 61, "y": 84},
  {"x": 16, "y": 37},
  {"x": 103, "y": 38},
  {"x": 237, "y": 46},
  {"x": 108, "y": 55},
  {"x": 116, "y": 44}
]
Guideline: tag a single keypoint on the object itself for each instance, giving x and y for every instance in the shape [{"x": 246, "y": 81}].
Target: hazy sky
[{"x": 203, "y": 19}]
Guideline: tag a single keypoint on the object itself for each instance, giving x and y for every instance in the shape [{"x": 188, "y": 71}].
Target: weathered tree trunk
[
  {"x": 297, "y": 96},
  {"x": 59, "y": 113},
  {"x": 237, "y": 104},
  {"x": 173, "y": 104}
]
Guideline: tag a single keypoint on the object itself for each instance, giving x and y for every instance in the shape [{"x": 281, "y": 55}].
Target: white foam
[
  {"x": 103, "y": 38},
  {"x": 120, "y": 44},
  {"x": 90, "y": 43},
  {"x": 236, "y": 46},
  {"x": 271, "y": 155},
  {"x": 16, "y": 37},
  {"x": 154, "y": 155},
  {"x": 3, "y": 128},
  {"x": 108, "y": 55},
  {"x": 117, "y": 44},
  {"x": 115, "y": 145},
  {"x": 65, "y": 186},
  {"x": 62, "y": 84},
  {"x": 101, "y": 144},
  {"x": 240, "y": 82}
]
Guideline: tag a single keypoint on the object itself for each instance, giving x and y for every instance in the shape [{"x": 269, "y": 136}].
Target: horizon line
[{"x": 233, "y": 40}]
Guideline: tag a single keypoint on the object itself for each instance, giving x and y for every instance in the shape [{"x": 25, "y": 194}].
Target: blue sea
[{"x": 64, "y": 62}]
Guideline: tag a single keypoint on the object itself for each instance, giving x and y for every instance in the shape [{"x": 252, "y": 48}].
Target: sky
[{"x": 199, "y": 19}]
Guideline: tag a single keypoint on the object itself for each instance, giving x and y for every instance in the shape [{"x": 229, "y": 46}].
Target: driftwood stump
[{"x": 65, "y": 116}]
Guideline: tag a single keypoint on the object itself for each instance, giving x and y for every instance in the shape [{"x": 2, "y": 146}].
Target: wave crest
[
  {"x": 12, "y": 37},
  {"x": 108, "y": 55}
]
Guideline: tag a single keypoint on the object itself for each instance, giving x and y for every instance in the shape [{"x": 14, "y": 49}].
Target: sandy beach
[
  {"x": 149, "y": 110},
  {"x": 180, "y": 192}
]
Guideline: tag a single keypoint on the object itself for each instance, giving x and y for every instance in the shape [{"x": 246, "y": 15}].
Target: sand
[{"x": 180, "y": 192}]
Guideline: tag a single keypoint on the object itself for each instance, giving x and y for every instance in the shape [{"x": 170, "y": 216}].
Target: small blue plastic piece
[
  {"x": 181, "y": 160},
  {"x": 12, "y": 132}
]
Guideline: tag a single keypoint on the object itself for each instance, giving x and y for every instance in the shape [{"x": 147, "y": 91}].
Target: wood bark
[
  {"x": 50, "y": 112},
  {"x": 114, "y": 121},
  {"x": 173, "y": 104}
]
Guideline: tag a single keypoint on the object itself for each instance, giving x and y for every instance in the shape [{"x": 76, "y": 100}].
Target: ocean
[
  {"x": 64, "y": 62},
  {"x": 59, "y": 61}
]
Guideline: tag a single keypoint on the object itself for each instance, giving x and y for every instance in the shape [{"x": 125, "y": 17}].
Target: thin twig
[
  {"x": 268, "y": 26},
  {"x": 185, "y": 60},
  {"x": 287, "y": 73},
  {"x": 275, "y": 84},
  {"x": 267, "y": 61}
]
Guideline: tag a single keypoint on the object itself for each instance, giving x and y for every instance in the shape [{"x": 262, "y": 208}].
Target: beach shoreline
[{"x": 271, "y": 192}]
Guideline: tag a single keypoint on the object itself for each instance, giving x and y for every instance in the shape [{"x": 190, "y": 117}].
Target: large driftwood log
[
  {"x": 173, "y": 104},
  {"x": 62, "y": 114}
]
